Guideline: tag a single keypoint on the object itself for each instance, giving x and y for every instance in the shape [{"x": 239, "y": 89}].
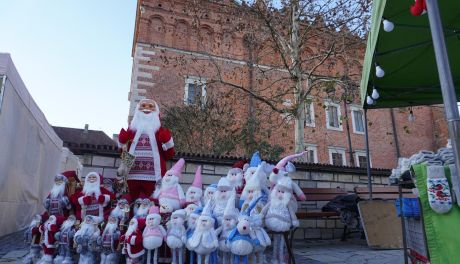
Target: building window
[
  {"x": 309, "y": 114},
  {"x": 195, "y": 91},
  {"x": 2, "y": 89},
  {"x": 337, "y": 156},
  {"x": 361, "y": 159},
  {"x": 312, "y": 153},
  {"x": 333, "y": 116},
  {"x": 357, "y": 118}
]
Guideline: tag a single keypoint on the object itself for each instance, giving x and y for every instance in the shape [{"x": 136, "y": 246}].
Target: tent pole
[
  {"x": 445, "y": 78},
  {"x": 368, "y": 160}
]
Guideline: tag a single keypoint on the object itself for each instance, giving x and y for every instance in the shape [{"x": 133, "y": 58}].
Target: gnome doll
[
  {"x": 209, "y": 193},
  {"x": 143, "y": 210},
  {"x": 280, "y": 215},
  {"x": 57, "y": 203},
  {"x": 204, "y": 239},
  {"x": 176, "y": 235},
  {"x": 32, "y": 237},
  {"x": 191, "y": 225},
  {"x": 48, "y": 230},
  {"x": 86, "y": 240},
  {"x": 281, "y": 170},
  {"x": 65, "y": 241},
  {"x": 195, "y": 191},
  {"x": 133, "y": 241},
  {"x": 257, "y": 225},
  {"x": 228, "y": 224},
  {"x": 109, "y": 241},
  {"x": 242, "y": 238},
  {"x": 254, "y": 189},
  {"x": 250, "y": 169},
  {"x": 190, "y": 209},
  {"x": 235, "y": 176},
  {"x": 153, "y": 234},
  {"x": 224, "y": 191},
  {"x": 171, "y": 193}
]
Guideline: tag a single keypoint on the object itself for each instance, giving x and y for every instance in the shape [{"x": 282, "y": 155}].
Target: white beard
[
  {"x": 222, "y": 201},
  {"x": 117, "y": 212},
  {"x": 277, "y": 203},
  {"x": 92, "y": 188},
  {"x": 146, "y": 123},
  {"x": 67, "y": 224},
  {"x": 131, "y": 229},
  {"x": 197, "y": 196},
  {"x": 110, "y": 228},
  {"x": 142, "y": 211},
  {"x": 166, "y": 185},
  {"x": 86, "y": 229},
  {"x": 57, "y": 190}
]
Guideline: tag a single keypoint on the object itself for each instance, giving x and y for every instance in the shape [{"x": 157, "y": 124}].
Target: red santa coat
[
  {"x": 48, "y": 238},
  {"x": 145, "y": 165},
  {"x": 133, "y": 244},
  {"x": 78, "y": 200}
]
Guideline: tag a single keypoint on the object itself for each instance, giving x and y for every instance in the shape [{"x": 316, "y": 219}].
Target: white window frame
[
  {"x": 339, "y": 150},
  {"x": 312, "y": 112},
  {"x": 313, "y": 147},
  {"x": 354, "y": 108},
  {"x": 2, "y": 89},
  {"x": 339, "y": 116},
  {"x": 361, "y": 153},
  {"x": 198, "y": 81}
]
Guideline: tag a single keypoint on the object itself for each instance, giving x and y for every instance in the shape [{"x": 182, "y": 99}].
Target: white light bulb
[
  {"x": 411, "y": 116},
  {"x": 388, "y": 26},
  {"x": 369, "y": 100},
  {"x": 375, "y": 94},
  {"x": 379, "y": 72}
]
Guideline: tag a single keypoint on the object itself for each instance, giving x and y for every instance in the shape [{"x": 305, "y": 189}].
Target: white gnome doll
[
  {"x": 170, "y": 192},
  {"x": 282, "y": 168},
  {"x": 195, "y": 192},
  {"x": 204, "y": 239},
  {"x": 209, "y": 193},
  {"x": 224, "y": 191},
  {"x": 257, "y": 225},
  {"x": 280, "y": 215},
  {"x": 250, "y": 169},
  {"x": 176, "y": 235},
  {"x": 253, "y": 189},
  {"x": 242, "y": 238},
  {"x": 228, "y": 224},
  {"x": 153, "y": 234}
]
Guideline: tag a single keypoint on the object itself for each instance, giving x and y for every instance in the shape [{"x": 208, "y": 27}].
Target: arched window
[
  {"x": 157, "y": 30},
  {"x": 181, "y": 35}
]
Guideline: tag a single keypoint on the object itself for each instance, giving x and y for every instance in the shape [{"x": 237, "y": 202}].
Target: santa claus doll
[
  {"x": 280, "y": 215},
  {"x": 150, "y": 144},
  {"x": 223, "y": 193},
  {"x": 143, "y": 210},
  {"x": 65, "y": 241},
  {"x": 235, "y": 176},
  {"x": 153, "y": 234},
  {"x": 195, "y": 191},
  {"x": 57, "y": 203},
  {"x": 32, "y": 238},
  {"x": 170, "y": 192},
  {"x": 176, "y": 235},
  {"x": 92, "y": 199},
  {"x": 122, "y": 212},
  {"x": 133, "y": 242},
  {"x": 108, "y": 241},
  {"x": 209, "y": 193},
  {"x": 48, "y": 230},
  {"x": 86, "y": 240}
]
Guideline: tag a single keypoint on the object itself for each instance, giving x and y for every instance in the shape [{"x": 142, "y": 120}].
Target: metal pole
[
  {"x": 395, "y": 134},
  {"x": 403, "y": 224},
  {"x": 368, "y": 160},
  {"x": 445, "y": 77}
]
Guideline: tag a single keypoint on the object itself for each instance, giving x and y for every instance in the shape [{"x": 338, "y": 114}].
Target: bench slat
[
  {"x": 386, "y": 196},
  {"x": 320, "y": 197},
  {"x": 315, "y": 214},
  {"x": 323, "y": 190},
  {"x": 391, "y": 189}
]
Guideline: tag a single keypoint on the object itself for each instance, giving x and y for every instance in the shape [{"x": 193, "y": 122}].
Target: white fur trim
[
  {"x": 168, "y": 145},
  {"x": 132, "y": 241},
  {"x": 80, "y": 200},
  {"x": 131, "y": 255}
]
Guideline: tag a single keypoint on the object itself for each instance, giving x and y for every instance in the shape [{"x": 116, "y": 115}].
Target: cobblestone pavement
[{"x": 12, "y": 250}]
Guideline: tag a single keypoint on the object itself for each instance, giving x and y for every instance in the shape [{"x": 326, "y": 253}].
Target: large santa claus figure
[
  {"x": 170, "y": 193},
  {"x": 151, "y": 144},
  {"x": 92, "y": 199},
  {"x": 57, "y": 203}
]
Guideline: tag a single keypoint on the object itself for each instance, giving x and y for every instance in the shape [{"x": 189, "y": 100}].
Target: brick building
[{"x": 165, "y": 32}]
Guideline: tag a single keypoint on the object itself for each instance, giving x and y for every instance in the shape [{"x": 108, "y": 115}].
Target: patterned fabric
[
  {"x": 55, "y": 208},
  {"x": 438, "y": 191},
  {"x": 93, "y": 208},
  {"x": 143, "y": 168},
  {"x": 107, "y": 240}
]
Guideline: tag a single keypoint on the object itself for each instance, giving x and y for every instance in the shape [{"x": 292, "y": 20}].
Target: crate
[
  {"x": 416, "y": 242},
  {"x": 411, "y": 207}
]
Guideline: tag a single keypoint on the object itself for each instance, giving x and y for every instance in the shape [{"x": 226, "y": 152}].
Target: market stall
[{"x": 407, "y": 64}]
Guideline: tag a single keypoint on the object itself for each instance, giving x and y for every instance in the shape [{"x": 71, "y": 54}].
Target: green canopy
[{"x": 407, "y": 56}]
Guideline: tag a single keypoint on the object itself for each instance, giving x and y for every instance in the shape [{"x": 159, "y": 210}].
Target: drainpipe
[
  {"x": 395, "y": 134},
  {"x": 350, "y": 147}
]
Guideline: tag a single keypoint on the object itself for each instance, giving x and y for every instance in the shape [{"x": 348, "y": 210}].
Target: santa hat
[
  {"x": 125, "y": 199},
  {"x": 284, "y": 183},
  {"x": 230, "y": 209},
  {"x": 281, "y": 165},
  {"x": 98, "y": 175},
  {"x": 212, "y": 187},
  {"x": 180, "y": 213},
  {"x": 140, "y": 222},
  {"x": 71, "y": 175},
  {"x": 239, "y": 164},
  {"x": 176, "y": 169},
  {"x": 197, "y": 181},
  {"x": 255, "y": 160},
  {"x": 60, "y": 177},
  {"x": 224, "y": 184}
]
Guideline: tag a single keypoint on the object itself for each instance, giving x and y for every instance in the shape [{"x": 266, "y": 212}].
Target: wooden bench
[
  {"x": 321, "y": 195},
  {"x": 383, "y": 193}
]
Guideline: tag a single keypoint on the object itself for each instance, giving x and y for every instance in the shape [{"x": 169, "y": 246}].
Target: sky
[{"x": 74, "y": 57}]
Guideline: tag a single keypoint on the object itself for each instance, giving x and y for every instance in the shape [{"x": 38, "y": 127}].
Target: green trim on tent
[{"x": 406, "y": 54}]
